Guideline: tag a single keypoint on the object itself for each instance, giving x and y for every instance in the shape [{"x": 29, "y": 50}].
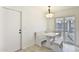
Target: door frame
[{"x": 20, "y": 12}]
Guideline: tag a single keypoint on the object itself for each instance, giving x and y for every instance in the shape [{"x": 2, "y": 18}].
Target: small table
[{"x": 51, "y": 36}]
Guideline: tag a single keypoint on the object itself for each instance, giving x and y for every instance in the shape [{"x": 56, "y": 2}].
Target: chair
[{"x": 56, "y": 44}]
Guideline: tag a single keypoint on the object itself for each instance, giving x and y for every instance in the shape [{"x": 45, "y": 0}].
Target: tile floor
[{"x": 36, "y": 48}]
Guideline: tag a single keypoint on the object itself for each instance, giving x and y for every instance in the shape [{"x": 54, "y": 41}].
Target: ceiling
[
  {"x": 44, "y": 8},
  {"x": 59, "y": 8}
]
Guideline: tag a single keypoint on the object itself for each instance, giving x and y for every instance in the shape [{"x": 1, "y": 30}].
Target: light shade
[{"x": 49, "y": 15}]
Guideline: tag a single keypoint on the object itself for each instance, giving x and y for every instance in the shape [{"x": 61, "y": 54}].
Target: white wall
[
  {"x": 33, "y": 20},
  {"x": 71, "y": 12}
]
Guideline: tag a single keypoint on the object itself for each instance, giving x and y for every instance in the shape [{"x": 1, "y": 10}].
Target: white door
[{"x": 11, "y": 24}]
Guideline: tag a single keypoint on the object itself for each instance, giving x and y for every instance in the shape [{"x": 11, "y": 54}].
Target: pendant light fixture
[{"x": 49, "y": 14}]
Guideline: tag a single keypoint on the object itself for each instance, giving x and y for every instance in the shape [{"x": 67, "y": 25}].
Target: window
[{"x": 59, "y": 24}]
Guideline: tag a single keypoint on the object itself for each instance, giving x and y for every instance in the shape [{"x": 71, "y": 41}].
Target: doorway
[{"x": 12, "y": 23}]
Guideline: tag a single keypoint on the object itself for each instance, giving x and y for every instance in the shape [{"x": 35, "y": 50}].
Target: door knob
[
  {"x": 20, "y": 32},
  {"x": 19, "y": 29}
]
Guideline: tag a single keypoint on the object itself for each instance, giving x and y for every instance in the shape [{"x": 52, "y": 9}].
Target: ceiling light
[{"x": 49, "y": 14}]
